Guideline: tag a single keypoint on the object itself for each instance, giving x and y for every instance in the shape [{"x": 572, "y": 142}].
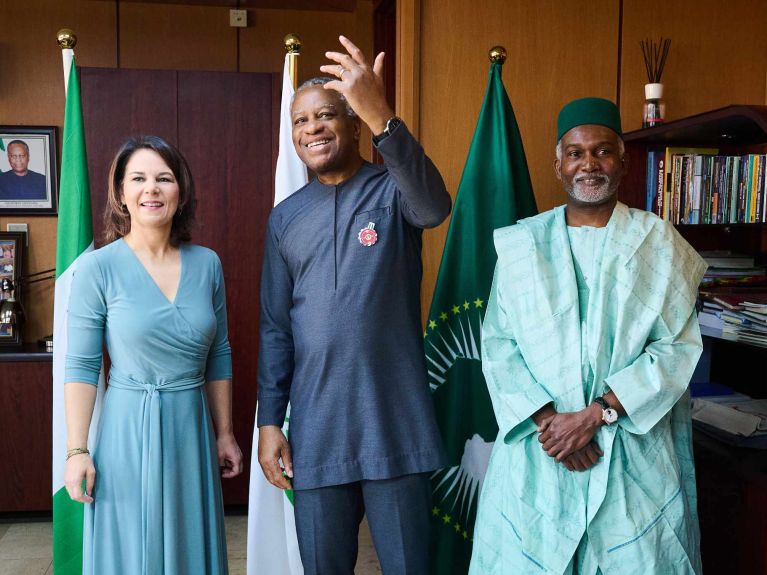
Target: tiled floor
[{"x": 25, "y": 548}]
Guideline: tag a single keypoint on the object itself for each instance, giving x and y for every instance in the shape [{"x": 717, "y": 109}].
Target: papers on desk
[{"x": 736, "y": 418}]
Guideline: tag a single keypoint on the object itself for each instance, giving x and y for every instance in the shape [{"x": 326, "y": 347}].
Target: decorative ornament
[{"x": 367, "y": 235}]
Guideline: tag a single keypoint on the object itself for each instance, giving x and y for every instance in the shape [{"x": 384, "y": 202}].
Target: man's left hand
[
  {"x": 568, "y": 432},
  {"x": 361, "y": 84}
]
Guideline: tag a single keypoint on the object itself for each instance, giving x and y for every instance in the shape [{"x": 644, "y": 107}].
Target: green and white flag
[
  {"x": 495, "y": 191},
  {"x": 74, "y": 238},
  {"x": 272, "y": 542}
]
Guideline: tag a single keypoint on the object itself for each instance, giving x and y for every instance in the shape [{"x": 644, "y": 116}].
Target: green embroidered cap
[{"x": 588, "y": 111}]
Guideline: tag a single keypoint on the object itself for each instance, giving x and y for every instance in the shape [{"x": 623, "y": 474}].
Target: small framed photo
[
  {"x": 28, "y": 176},
  {"x": 11, "y": 264}
]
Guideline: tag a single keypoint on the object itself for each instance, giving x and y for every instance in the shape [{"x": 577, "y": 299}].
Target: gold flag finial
[
  {"x": 66, "y": 38},
  {"x": 497, "y": 54},
  {"x": 292, "y": 44}
]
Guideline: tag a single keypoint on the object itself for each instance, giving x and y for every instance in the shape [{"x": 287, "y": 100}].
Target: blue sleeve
[
  {"x": 86, "y": 318},
  {"x": 424, "y": 200},
  {"x": 276, "y": 348},
  {"x": 219, "y": 364}
]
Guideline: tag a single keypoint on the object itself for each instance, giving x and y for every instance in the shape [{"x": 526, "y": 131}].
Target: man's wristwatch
[
  {"x": 609, "y": 415},
  {"x": 391, "y": 123}
]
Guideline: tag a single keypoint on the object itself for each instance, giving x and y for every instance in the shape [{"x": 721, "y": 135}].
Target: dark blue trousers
[{"x": 328, "y": 520}]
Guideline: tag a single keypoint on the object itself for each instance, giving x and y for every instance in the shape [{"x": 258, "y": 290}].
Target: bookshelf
[
  {"x": 736, "y": 129},
  {"x": 732, "y": 504}
]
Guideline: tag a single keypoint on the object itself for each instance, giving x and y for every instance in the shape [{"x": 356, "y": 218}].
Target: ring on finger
[{"x": 341, "y": 73}]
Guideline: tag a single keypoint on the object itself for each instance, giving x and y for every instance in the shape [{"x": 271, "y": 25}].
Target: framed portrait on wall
[
  {"x": 11, "y": 268},
  {"x": 28, "y": 175}
]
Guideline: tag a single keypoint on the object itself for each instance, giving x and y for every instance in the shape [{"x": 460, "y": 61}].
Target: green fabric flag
[
  {"x": 74, "y": 237},
  {"x": 75, "y": 226},
  {"x": 495, "y": 191}
]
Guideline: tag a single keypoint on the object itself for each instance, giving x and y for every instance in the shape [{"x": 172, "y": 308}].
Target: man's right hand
[
  {"x": 584, "y": 458},
  {"x": 273, "y": 447}
]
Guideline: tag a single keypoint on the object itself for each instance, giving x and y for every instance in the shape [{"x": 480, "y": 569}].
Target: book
[
  {"x": 668, "y": 182},
  {"x": 727, "y": 259},
  {"x": 650, "y": 181},
  {"x": 759, "y": 194},
  {"x": 732, "y": 208},
  {"x": 739, "y": 416},
  {"x": 696, "y": 189}
]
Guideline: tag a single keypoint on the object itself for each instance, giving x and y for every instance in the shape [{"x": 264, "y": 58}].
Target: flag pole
[
  {"x": 67, "y": 40},
  {"x": 293, "y": 48}
]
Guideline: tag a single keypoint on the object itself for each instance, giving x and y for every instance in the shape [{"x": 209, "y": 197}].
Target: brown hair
[{"x": 116, "y": 216}]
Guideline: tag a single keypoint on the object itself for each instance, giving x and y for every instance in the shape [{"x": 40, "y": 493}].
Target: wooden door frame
[{"x": 408, "y": 56}]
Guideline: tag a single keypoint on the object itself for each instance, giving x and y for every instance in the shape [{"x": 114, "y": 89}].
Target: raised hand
[{"x": 361, "y": 84}]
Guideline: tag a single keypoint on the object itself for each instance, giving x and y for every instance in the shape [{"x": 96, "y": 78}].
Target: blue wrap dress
[{"x": 157, "y": 504}]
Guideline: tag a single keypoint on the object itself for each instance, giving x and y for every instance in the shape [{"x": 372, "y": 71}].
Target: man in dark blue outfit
[
  {"x": 341, "y": 334},
  {"x": 21, "y": 183}
]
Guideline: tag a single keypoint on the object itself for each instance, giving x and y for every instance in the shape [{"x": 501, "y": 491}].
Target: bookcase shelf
[
  {"x": 731, "y": 505},
  {"x": 736, "y": 129},
  {"x": 737, "y": 125}
]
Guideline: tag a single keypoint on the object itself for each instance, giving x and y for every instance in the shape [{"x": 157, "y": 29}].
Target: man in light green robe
[{"x": 591, "y": 314}]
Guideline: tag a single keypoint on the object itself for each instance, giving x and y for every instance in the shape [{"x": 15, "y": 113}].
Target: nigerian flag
[
  {"x": 495, "y": 191},
  {"x": 74, "y": 238},
  {"x": 272, "y": 542}
]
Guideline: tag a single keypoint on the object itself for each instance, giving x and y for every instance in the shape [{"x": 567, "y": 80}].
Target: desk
[
  {"x": 732, "y": 505},
  {"x": 26, "y": 394}
]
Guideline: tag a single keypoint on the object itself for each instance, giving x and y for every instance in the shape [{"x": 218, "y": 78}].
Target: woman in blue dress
[{"x": 152, "y": 496}]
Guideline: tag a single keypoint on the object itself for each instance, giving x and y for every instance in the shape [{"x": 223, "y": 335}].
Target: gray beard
[{"x": 591, "y": 195}]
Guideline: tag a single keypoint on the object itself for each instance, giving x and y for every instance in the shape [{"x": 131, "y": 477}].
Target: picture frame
[
  {"x": 28, "y": 170},
  {"x": 12, "y": 245}
]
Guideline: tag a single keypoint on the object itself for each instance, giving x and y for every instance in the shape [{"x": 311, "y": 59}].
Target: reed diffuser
[{"x": 654, "y": 54}]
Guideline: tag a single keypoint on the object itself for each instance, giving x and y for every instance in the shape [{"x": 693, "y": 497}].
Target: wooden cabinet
[
  {"x": 732, "y": 481},
  {"x": 26, "y": 394}
]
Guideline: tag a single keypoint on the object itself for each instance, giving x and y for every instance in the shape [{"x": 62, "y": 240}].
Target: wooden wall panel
[
  {"x": 717, "y": 57},
  {"x": 32, "y": 77},
  {"x": 145, "y": 102},
  {"x": 173, "y": 37},
  {"x": 228, "y": 146},
  {"x": 556, "y": 52}
]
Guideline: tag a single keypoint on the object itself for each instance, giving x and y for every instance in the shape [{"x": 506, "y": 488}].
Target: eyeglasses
[{"x": 17, "y": 156}]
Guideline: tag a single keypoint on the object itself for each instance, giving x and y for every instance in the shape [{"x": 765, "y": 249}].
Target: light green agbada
[{"x": 638, "y": 504}]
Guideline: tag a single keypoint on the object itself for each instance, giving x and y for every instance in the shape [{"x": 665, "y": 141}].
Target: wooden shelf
[{"x": 732, "y": 125}]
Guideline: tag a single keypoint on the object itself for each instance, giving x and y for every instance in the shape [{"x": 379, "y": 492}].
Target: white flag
[{"x": 272, "y": 543}]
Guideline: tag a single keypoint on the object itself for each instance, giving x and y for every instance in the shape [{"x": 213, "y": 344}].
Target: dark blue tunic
[
  {"x": 341, "y": 334},
  {"x": 28, "y": 187}
]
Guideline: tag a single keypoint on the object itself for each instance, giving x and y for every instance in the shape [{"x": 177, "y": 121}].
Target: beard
[{"x": 590, "y": 194}]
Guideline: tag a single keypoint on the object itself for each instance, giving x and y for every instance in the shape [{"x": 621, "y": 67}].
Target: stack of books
[
  {"x": 700, "y": 186},
  {"x": 742, "y": 316},
  {"x": 733, "y": 418},
  {"x": 726, "y": 268}
]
